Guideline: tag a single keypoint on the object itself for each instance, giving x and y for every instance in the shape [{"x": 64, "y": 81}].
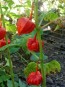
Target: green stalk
[
  {"x": 43, "y": 71},
  {"x": 8, "y": 51}
]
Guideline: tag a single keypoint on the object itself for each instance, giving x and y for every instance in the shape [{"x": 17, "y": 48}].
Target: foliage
[
  {"x": 49, "y": 16},
  {"x": 22, "y": 84},
  {"x": 16, "y": 43},
  {"x": 21, "y": 41},
  {"x": 30, "y": 68},
  {"x": 3, "y": 76},
  {"x": 9, "y": 83},
  {"x": 35, "y": 57},
  {"x": 51, "y": 67}
]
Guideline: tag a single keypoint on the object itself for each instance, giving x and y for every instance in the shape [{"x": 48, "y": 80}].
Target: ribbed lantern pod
[
  {"x": 25, "y": 25},
  {"x": 35, "y": 78},
  {"x": 33, "y": 44}
]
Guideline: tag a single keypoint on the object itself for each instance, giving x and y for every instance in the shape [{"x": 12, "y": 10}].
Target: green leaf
[
  {"x": 52, "y": 67},
  {"x": 31, "y": 67},
  {"x": 57, "y": 28},
  {"x": 3, "y": 76},
  {"x": 14, "y": 49},
  {"x": 7, "y": 61},
  {"x": 2, "y": 72},
  {"x": 9, "y": 2},
  {"x": 22, "y": 40},
  {"x": 9, "y": 45},
  {"x": 18, "y": 6},
  {"x": 5, "y": 7},
  {"x": 21, "y": 84},
  {"x": 9, "y": 84},
  {"x": 11, "y": 27},
  {"x": 13, "y": 15},
  {"x": 48, "y": 16},
  {"x": 35, "y": 57}
]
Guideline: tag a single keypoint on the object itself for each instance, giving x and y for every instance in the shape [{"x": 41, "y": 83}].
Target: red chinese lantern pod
[
  {"x": 25, "y": 26},
  {"x": 34, "y": 78},
  {"x": 3, "y": 42},
  {"x": 33, "y": 44},
  {"x": 2, "y": 33}
]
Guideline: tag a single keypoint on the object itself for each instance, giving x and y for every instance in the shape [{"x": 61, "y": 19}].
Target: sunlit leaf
[
  {"x": 11, "y": 27},
  {"x": 9, "y": 2}
]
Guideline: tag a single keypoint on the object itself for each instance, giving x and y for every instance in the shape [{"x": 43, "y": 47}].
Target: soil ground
[{"x": 55, "y": 49}]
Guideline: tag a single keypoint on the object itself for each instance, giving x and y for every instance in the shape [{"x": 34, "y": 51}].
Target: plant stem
[
  {"x": 43, "y": 71},
  {"x": 8, "y": 52},
  {"x": 47, "y": 24}
]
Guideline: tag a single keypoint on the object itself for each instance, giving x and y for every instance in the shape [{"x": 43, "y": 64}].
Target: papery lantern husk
[
  {"x": 34, "y": 78},
  {"x": 25, "y": 26}
]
